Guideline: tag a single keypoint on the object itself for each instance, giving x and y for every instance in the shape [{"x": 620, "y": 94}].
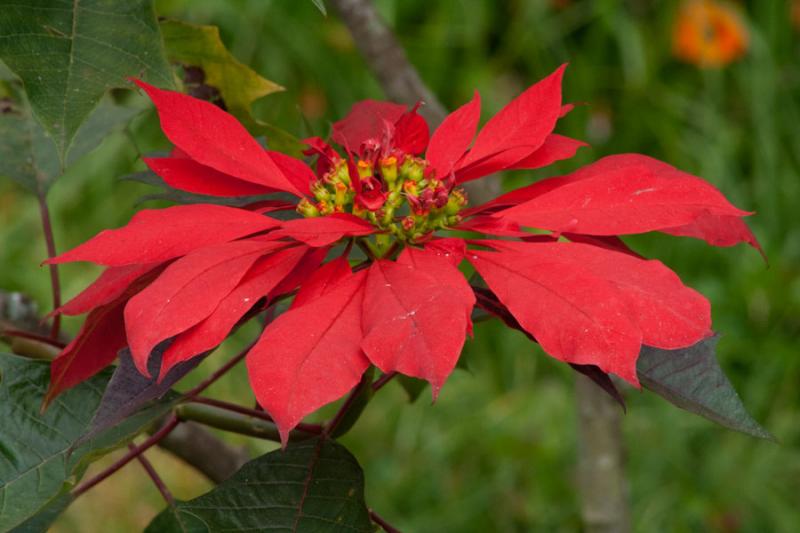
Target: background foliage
[{"x": 497, "y": 451}]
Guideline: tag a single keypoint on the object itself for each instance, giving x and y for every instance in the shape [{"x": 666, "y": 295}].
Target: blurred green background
[{"x": 497, "y": 450}]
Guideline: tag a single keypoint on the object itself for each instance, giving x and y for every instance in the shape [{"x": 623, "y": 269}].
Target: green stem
[{"x": 226, "y": 420}]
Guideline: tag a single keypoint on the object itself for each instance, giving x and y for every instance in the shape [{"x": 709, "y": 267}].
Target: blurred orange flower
[
  {"x": 709, "y": 33},
  {"x": 796, "y": 14}
]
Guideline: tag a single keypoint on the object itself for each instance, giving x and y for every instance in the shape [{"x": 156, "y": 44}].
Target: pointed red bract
[
  {"x": 322, "y": 231},
  {"x": 451, "y": 248},
  {"x": 297, "y": 172},
  {"x": 575, "y": 316},
  {"x": 327, "y": 277},
  {"x": 188, "y": 175},
  {"x": 517, "y": 130},
  {"x": 186, "y": 292},
  {"x": 555, "y": 148},
  {"x": 262, "y": 278},
  {"x": 669, "y": 314},
  {"x": 416, "y": 316},
  {"x": 105, "y": 289},
  {"x": 214, "y": 138},
  {"x": 718, "y": 230},
  {"x": 366, "y": 120},
  {"x": 452, "y": 138},
  {"x": 307, "y": 266},
  {"x": 156, "y": 235},
  {"x": 636, "y": 196},
  {"x": 411, "y": 133},
  {"x": 310, "y": 355},
  {"x": 94, "y": 348}
]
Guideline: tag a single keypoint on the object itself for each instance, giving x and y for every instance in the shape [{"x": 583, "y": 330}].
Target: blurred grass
[{"x": 497, "y": 450}]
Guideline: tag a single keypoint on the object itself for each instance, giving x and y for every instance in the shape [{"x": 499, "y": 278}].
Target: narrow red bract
[{"x": 390, "y": 192}]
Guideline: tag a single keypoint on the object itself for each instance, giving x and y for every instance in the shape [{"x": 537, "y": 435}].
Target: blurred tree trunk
[{"x": 601, "y": 461}]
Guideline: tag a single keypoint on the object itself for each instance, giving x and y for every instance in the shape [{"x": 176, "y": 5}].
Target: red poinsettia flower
[{"x": 191, "y": 273}]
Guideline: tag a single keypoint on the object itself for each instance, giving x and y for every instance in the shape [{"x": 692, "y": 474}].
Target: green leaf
[
  {"x": 28, "y": 155},
  {"x": 69, "y": 53},
  {"x": 44, "y": 518},
  {"x": 692, "y": 379},
  {"x": 314, "y": 485},
  {"x": 414, "y": 387},
  {"x": 239, "y": 86},
  {"x": 39, "y": 464},
  {"x": 201, "y": 46},
  {"x": 321, "y": 6}
]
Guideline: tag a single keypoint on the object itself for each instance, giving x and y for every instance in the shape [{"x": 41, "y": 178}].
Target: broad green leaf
[
  {"x": 44, "y": 518},
  {"x": 28, "y": 155},
  {"x": 314, "y": 485},
  {"x": 239, "y": 86},
  {"x": 68, "y": 53},
  {"x": 39, "y": 463},
  {"x": 692, "y": 379},
  {"x": 201, "y": 46}
]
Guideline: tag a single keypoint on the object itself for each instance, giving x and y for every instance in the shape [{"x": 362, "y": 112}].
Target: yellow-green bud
[{"x": 307, "y": 209}]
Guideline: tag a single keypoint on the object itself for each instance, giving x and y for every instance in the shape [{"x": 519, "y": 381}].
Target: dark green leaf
[
  {"x": 128, "y": 390},
  {"x": 314, "y": 485},
  {"x": 692, "y": 379},
  {"x": 69, "y": 53},
  {"x": 44, "y": 518},
  {"x": 27, "y": 153},
  {"x": 38, "y": 460}
]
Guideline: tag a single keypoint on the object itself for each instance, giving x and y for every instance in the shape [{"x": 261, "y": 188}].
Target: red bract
[{"x": 192, "y": 273}]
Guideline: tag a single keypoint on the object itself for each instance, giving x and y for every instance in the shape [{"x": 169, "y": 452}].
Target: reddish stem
[
  {"x": 386, "y": 526},
  {"x": 34, "y": 337},
  {"x": 157, "y": 481},
  {"x": 55, "y": 283},
  {"x": 255, "y": 413},
  {"x": 383, "y": 380},
  {"x": 128, "y": 457},
  {"x": 331, "y": 426},
  {"x": 221, "y": 371}
]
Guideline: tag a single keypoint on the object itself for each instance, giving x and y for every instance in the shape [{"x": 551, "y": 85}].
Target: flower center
[{"x": 393, "y": 194}]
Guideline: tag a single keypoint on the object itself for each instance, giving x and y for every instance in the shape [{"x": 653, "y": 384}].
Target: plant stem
[
  {"x": 55, "y": 283},
  {"x": 331, "y": 426},
  {"x": 227, "y": 420},
  {"x": 257, "y": 413},
  {"x": 34, "y": 337},
  {"x": 221, "y": 371},
  {"x": 157, "y": 481},
  {"x": 172, "y": 422},
  {"x": 386, "y": 526},
  {"x": 383, "y": 380}
]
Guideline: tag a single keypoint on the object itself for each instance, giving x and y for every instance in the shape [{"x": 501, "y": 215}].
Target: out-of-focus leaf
[
  {"x": 128, "y": 390},
  {"x": 27, "y": 153},
  {"x": 321, "y": 6},
  {"x": 413, "y": 386},
  {"x": 313, "y": 485},
  {"x": 692, "y": 379},
  {"x": 69, "y": 53},
  {"x": 40, "y": 462},
  {"x": 201, "y": 46}
]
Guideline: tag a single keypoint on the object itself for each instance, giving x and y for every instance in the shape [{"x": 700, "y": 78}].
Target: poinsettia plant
[{"x": 383, "y": 256}]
